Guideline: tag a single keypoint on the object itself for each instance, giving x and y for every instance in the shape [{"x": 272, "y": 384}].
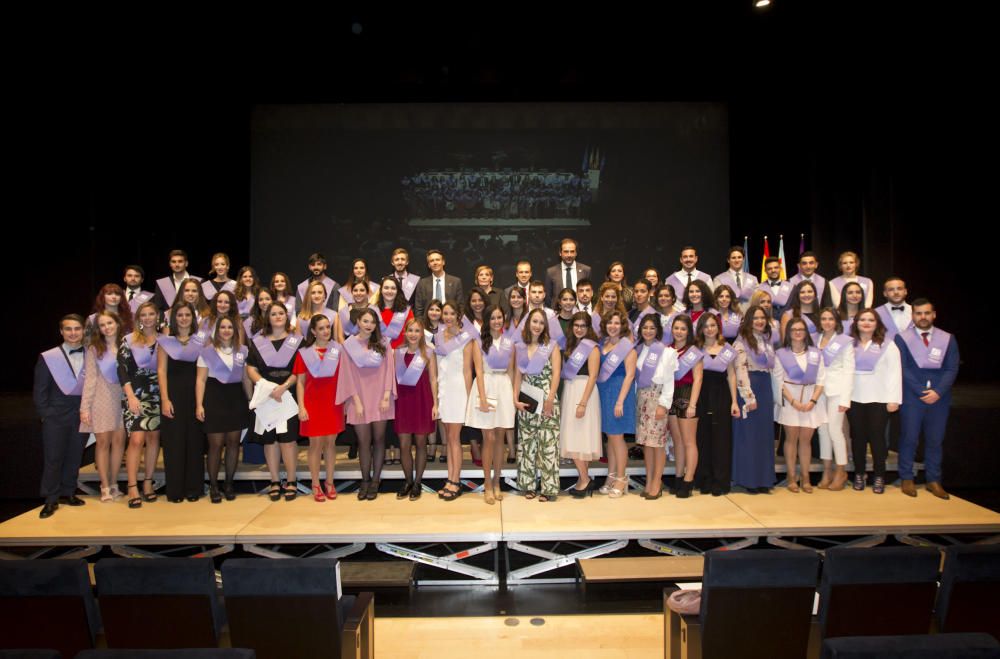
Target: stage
[{"x": 556, "y": 533}]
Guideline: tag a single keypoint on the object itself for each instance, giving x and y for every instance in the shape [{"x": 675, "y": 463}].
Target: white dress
[
  {"x": 452, "y": 397},
  {"x": 500, "y": 389},
  {"x": 788, "y": 415}
]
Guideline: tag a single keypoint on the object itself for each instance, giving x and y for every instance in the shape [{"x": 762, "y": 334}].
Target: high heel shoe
[
  {"x": 134, "y": 502},
  {"x": 363, "y": 490},
  {"x": 213, "y": 493},
  {"x": 274, "y": 491},
  {"x": 684, "y": 489},
  {"x": 291, "y": 490},
  {"x": 331, "y": 490},
  {"x": 106, "y": 494},
  {"x": 372, "y": 493},
  {"x": 588, "y": 490},
  {"x": 616, "y": 492},
  {"x": 229, "y": 491},
  {"x": 150, "y": 496},
  {"x": 319, "y": 496}
]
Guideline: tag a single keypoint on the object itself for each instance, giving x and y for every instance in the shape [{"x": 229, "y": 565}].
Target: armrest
[{"x": 358, "y": 637}]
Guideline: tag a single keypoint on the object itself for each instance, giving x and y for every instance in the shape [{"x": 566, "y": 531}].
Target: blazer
[
  {"x": 424, "y": 293},
  {"x": 554, "y": 279}
]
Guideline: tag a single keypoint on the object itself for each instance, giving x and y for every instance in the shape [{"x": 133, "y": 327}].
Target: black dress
[
  {"x": 145, "y": 386},
  {"x": 225, "y": 406},
  {"x": 277, "y": 375},
  {"x": 715, "y": 432},
  {"x": 181, "y": 437}
]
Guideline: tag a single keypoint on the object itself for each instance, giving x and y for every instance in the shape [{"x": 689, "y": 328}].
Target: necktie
[
  {"x": 438, "y": 294},
  {"x": 739, "y": 286},
  {"x": 131, "y": 294},
  {"x": 568, "y": 278},
  {"x": 689, "y": 279},
  {"x": 73, "y": 351},
  {"x": 927, "y": 341},
  {"x": 896, "y": 308}
]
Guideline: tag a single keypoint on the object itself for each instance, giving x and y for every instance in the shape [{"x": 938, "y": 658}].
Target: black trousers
[
  {"x": 183, "y": 445},
  {"x": 868, "y": 427},
  {"x": 62, "y": 449}
]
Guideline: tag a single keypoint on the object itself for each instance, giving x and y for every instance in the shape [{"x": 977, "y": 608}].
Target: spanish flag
[
  {"x": 763, "y": 259},
  {"x": 781, "y": 256}
]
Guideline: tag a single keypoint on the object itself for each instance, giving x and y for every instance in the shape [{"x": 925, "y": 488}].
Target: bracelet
[
  {"x": 581, "y": 404},
  {"x": 813, "y": 401}
]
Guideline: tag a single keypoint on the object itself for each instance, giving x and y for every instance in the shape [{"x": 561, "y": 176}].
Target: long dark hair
[
  {"x": 684, "y": 320},
  {"x": 878, "y": 336},
  {"x": 526, "y": 332},
  {"x": 123, "y": 310},
  {"x": 173, "y": 329},
  {"x": 97, "y": 340},
  {"x": 484, "y": 332},
  {"x": 746, "y": 327},
  {"x": 375, "y": 338},
  {"x": 398, "y": 302},
  {"x": 842, "y": 308},
  {"x": 241, "y": 290},
  {"x": 258, "y": 322},
  {"x": 309, "y": 338},
  {"x": 571, "y": 341},
  {"x": 707, "y": 299},
  {"x": 787, "y": 341},
  {"x": 469, "y": 313}
]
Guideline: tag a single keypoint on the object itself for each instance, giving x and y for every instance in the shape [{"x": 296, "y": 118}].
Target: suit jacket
[
  {"x": 50, "y": 401},
  {"x": 915, "y": 379},
  {"x": 425, "y": 293},
  {"x": 554, "y": 279}
]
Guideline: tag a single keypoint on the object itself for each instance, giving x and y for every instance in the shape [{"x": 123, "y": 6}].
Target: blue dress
[
  {"x": 609, "y": 391},
  {"x": 753, "y": 437}
]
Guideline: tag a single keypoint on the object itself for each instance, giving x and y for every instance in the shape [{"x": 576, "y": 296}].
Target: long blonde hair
[
  {"x": 137, "y": 334},
  {"x": 422, "y": 343}
]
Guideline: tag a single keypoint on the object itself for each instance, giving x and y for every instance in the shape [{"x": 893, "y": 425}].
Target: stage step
[
  {"x": 376, "y": 574},
  {"x": 641, "y": 568}
]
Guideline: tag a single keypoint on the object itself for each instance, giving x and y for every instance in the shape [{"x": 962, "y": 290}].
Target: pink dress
[
  {"x": 101, "y": 398},
  {"x": 368, "y": 383}
]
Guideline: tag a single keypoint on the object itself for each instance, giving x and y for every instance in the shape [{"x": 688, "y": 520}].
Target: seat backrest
[
  {"x": 757, "y": 603},
  {"x": 48, "y": 604},
  {"x": 283, "y": 608},
  {"x": 30, "y": 654},
  {"x": 878, "y": 591},
  {"x": 188, "y": 653},
  {"x": 969, "y": 599},
  {"x": 158, "y": 603},
  {"x": 917, "y": 646}
]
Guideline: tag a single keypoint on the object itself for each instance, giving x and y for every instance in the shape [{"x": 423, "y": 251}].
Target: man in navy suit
[
  {"x": 930, "y": 365},
  {"x": 566, "y": 273},
  {"x": 57, "y": 389},
  {"x": 436, "y": 286}
]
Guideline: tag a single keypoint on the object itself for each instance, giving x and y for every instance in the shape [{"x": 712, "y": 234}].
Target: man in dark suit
[
  {"x": 436, "y": 286},
  {"x": 930, "y": 365},
  {"x": 522, "y": 273},
  {"x": 134, "y": 295},
  {"x": 57, "y": 389},
  {"x": 166, "y": 288},
  {"x": 566, "y": 273}
]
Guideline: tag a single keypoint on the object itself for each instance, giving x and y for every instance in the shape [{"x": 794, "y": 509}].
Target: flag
[
  {"x": 802, "y": 243},
  {"x": 767, "y": 253},
  {"x": 781, "y": 257},
  {"x": 746, "y": 255}
]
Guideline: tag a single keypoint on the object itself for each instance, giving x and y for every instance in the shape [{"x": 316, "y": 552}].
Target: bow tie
[
  {"x": 73, "y": 351},
  {"x": 896, "y": 308},
  {"x": 774, "y": 283}
]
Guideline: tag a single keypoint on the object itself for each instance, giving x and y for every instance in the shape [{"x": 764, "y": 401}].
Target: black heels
[
  {"x": 134, "y": 502},
  {"x": 587, "y": 491},
  {"x": 149, "y": 497}
]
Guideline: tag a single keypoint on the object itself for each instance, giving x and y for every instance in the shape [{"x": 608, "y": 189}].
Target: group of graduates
[{"x": 696, "y": 368}]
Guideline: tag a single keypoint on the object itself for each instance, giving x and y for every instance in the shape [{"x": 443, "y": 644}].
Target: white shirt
[
  {"x": 572, "y": 274},
  {"x": 664, "y": 376},
  {"x": 75, "y": 360},
  {"x": 885, "y": 383},
  {"x": 434, "y": 287},
  {"x": 589, "y": 308},
  {"x": 902, "y": 318},
  {"x": 177, "y": 282},
  {"x": 225, "y": 354},
  {"x": 840, "y": 375}
]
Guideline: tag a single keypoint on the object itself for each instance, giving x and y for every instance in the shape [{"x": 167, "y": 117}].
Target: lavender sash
[
  {"x": 180, "y": 352},
  {"x": 109, "y": 366},
  {"x": 62, "y": 372},
  {"x": 927, "y": 356},
  {"x": 833, "y": 348},
  {"x": 324, "y": 366},
  {"x": 578, "y": 358},
  {"x": 144, "y": 357},
  {"x": 409, "y": 374},
  {"x": 614, "y": 359},
  {"x": 409, "y": 284},
  {"x": 668, "y": 337},
  {"x": 730, "y": 325},
  {"x": 361, "y": 355},
  {"x": 277, "y": 358},
  {"x": 218, "y": 368},
  {"x": 721, "y": 361},
  {"x": 638, "y": 319},
  {"x": 208, "y": 288},
  {"x": 167, "y": 290},
  {"x": 764, "y": 358},
  {"x": 345, "y": 292},
  {"x": 679, "y": 284},
  {"x": 818, "y": 281},
  {"x": 247, "y": 324},
  {"x": 498, "y": 357},
  {"x": 595, "y": 322},
  {"x": 890, "y": 325},
  {"x": 345, "y": 319},
  {"x": 848, "y": 324},
  {"x": 810, "y": 325},
  {"x": 140, "y": 298},
  {"x": 244, "y": 306},
  {"x": 648, "y": 366},
  {"x": 865, "y": 360},
  {"x": 330, "y": 285},
  {"x": 329, "y": 314},
  {"x": 687, "y": 361},
  {"x": 289, "y": 304},
  {"x": 744, "y": 292},
  {"x": 395, "y": 326},
  {"x": 793, "y": 372},
  {"x": 536, "y": 363},
  {"x": 779, "y": 298},
  {"x": 556, "y": 332},
  {"x": 837, "y": 285},
  {"x": 445, "y": 348}
]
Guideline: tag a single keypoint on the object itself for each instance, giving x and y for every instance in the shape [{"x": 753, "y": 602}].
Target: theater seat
[
  {"x": 917, "y": 646},
  {"x": 969, "y": 598}
]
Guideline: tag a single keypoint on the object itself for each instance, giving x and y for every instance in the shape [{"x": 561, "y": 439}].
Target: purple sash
[
  {"x": 513, "y": 333},
  {"x": 687, "y": 361},
  {"x": 536, "y": 363},
  {"x": 345, "y": 292},
  {"x": 810, "y": 325},
  {"x": 779, "y": 298},
  {"x": 595, "y": 322},
  {"x": 764, "y": 358},
  {"x": 361, "y": 355},
  {"x": 648, "y": 366},
  {"x": 144, "y": 357},
  {"x": 679, "y": 284},
  {"x": 325, "y": 366},
  {"x": 832, "y": 348},
  {"x": 890, "y": 325},
  {"x": 409, "y": 284},
  {"x": 140, "y": 298},
  {"x": 668, "y": 337},
  {"x": 409, "y": 374},
  {"x": 793, "y": 372},
  {"x": 818, "y": 281},
  {"x": 330, "y": 285},
  {"x": 109, "y": 365},
  {"x": 730, "y": 325},
  {"x": 247, "y": 324},
  {"x": 350, "y": 329},
  {"x": 167, "y": 290},
  {"x": 62, "y": 372},
  {"x": 329, "y": 314},
  {"x": 395, "y": 326},
  {"x": 721, "y": 361},
  {"x": 208, "y": 288},
  {"x": 744, "y": 292},
  {"x": 556, "y": 331},
  {"x": 180, "y": 352},
  {"x": 837, "y": 285},
  {"x": 927, "y": 356},
  {"x": 849, "y": 323},
  {"x": 614, "y": 359},
  {"x": 445, "y": 348},
  {"x": 498, "y": 357},
  {"x": 638, "y": 319},
  {"x": 865, "y": 360},
  {"x": 244, "y": 306},
  {"x": 289, "y": 304},
  {"x": 577, "y": 358},
  {"x": 218, "y": 369},
  {"x": 277, "y": 358}
]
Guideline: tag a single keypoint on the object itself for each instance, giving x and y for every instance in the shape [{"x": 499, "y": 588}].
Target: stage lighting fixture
[{"x": 760, "y": 4}]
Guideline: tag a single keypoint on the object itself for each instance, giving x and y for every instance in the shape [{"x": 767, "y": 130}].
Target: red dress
[
  {"x": 387, "y": 318},
  {"x": 414, "y": 404},
  {"x": 325, "y": 416}
]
